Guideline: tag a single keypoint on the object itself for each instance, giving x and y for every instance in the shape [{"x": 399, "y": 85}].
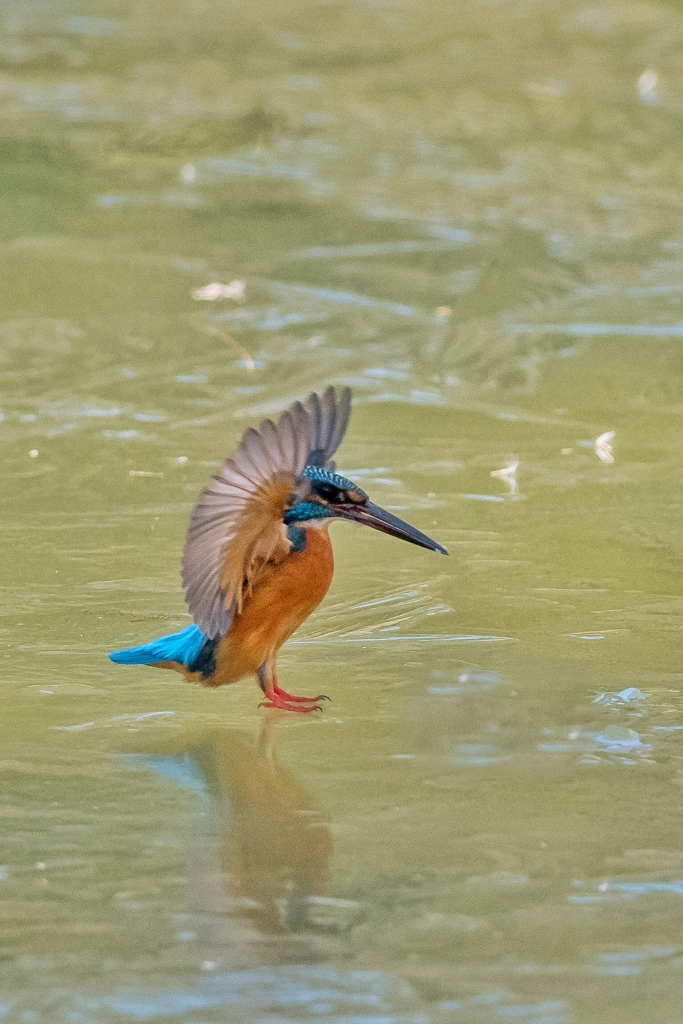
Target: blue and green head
[{"x": 326, "y": 495}]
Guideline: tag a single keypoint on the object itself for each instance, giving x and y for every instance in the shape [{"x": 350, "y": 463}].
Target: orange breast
[{"x": 282, "y": 599}]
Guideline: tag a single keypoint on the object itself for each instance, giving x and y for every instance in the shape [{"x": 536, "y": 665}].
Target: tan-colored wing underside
[{"x": 236, "y": 528}]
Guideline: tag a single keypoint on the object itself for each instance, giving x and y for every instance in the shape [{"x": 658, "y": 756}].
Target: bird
[{"x": 258, "y": 558}]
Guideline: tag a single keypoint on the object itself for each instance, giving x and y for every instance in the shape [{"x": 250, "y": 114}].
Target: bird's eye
[
  {"x": 328, "y": 492},
  {"x": 292, "y": 499}
]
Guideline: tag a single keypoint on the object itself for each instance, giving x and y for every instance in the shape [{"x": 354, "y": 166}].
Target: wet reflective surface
[{"x": 473, "y": 216}]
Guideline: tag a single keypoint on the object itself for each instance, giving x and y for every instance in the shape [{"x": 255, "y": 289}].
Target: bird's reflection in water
[{"x": 259, "y": 853}]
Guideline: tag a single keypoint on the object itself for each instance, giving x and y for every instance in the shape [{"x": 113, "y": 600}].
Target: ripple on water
[
  {"x": 468, "y": 682},
  {"x": 609, "y": 891},
  {"x": 615, "y": 740},
  {"x": 313, "y": 993}
]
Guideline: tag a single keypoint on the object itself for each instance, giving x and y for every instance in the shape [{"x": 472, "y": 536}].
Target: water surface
[{"x": 473, "y": 215}]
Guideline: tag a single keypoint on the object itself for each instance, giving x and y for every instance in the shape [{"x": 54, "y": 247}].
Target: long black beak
[{"x": 378, "y": 518}]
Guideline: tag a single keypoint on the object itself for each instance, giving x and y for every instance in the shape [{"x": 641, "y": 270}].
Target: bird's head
[{"x": 326, "y": 495}]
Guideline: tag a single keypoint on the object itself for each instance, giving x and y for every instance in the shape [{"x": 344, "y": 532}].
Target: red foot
[
  {"x": 277, "y": 700},
  {"x": 299, "y": 700}
]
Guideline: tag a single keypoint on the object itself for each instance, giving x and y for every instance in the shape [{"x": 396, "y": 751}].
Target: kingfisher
[{"x": 258, "y": 558}]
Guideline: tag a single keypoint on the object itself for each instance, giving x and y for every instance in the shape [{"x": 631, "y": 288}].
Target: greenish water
[{"x": 473, "y": 214}]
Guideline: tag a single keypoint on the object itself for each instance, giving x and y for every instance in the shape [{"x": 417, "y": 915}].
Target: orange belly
[{"x": 282, "y": 599}]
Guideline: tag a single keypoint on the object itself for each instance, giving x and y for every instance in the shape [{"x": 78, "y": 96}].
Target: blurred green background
[{"x": 471, "y": 212}]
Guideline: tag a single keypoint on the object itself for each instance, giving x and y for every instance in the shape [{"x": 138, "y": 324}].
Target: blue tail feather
[{"x": 183, "y": 647}]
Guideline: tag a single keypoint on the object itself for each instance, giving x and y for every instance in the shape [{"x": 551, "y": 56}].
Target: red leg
[{"x": 278, "y": 698}]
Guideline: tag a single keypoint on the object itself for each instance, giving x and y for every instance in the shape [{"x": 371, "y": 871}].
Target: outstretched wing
[{"x": 236, "y": 528}]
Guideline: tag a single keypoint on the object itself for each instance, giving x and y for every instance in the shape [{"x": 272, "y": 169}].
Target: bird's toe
[{"x": 283, "y": 705}]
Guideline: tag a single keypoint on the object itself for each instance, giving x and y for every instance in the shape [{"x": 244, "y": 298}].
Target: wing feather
[
  {"x": 329, "y": 418},
  {"x": 236, "y": 528}
]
